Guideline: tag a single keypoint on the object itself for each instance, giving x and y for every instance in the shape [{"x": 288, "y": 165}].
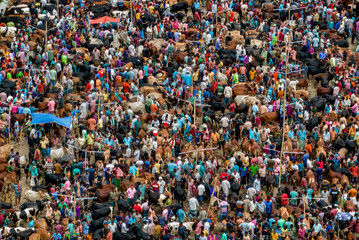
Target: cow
[
  {"x": 179, "y": 194},
  {"x": 16, "y": 217},
  {"x": 37, "y": 205},
  {"x": 33, "y": 196},
  {"x": 97, "y": 224},
  {"x": 182, "y": 6},
  {"x": 102, "y": 212},
  {"x": 52, "y": 179},
  {"x": 5, "y": 205}
]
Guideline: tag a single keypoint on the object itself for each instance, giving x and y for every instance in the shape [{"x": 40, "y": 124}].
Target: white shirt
[
  {"x": 200, "y": 190},
  {"x": 193, "y": 204}
]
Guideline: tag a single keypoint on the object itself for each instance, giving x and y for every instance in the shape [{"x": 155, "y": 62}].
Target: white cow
[
  {"x": 173, "y": 226},
  {"x": 57, "y": 153},
  {"x": 32, "y": 196},
  {"x": 23, "y": 161}
]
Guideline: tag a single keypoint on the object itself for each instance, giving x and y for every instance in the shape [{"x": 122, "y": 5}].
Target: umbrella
[
  {"x": 67, "y": 157},
  {"x": 104, "y": 20},
  {"x": 343, "y": 216}
]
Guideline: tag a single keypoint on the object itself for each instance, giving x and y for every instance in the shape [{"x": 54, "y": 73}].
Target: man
[
  {"x": 193, "y": 204},
  {"x": 131, "y": 192},
  {"x": 18, "y": 191}
]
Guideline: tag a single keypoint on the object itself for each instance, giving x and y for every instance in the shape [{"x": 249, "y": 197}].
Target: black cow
[
  {"x": 122, "y": 204},
  {"x": 38, "y": 206},
  {"x": 153, "y": 197},
  {"x": 139, "y": 234},
  {"x": 124, "y": 236},
  {"x": 5, "y": 205},
  {"x": 217, "y": 106},
  {"x": 242, "y": 108},
  {"x": 96, "y": 206},
  {"x": 97, "y": 224},
  {"x": 342, "y": 43},
  {"x": 182, "y": 6},
  {"x": 52, "y": 179},
  {"x": 179, "y": 194},
  {"x": 318, "y": 102},
  {"x": 102, "y": 212},
  {"x": 312, "y": 122},
  {"x": 98, "y": 235}
]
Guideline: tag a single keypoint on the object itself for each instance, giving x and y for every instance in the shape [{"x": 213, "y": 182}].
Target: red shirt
[
  {"x": 284, "y": 199},
  {"x": 137, "y": 208},
  {"x": 126, "y": 87}
]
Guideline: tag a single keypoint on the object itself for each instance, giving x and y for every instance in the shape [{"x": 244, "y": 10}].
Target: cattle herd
[{"x": 179, "y": 119}]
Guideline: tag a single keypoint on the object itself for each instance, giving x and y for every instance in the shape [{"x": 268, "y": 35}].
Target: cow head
[
  {"x": 41, "y": 204},
  {"x": 13, "y": 217}
]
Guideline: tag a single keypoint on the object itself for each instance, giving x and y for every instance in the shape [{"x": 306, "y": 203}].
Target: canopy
[
  {"x": 42, "y": 118},
  {"x": 104, "y": 20}
]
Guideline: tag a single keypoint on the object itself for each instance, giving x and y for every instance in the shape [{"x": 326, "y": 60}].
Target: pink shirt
[
  {"x": 51, "y": 106},
  {"x": 198, "y": 229},
  {"x": 131, "y": 193},
  {"x": 140, "y": 74},
  {"x": 67, "y": 184}
]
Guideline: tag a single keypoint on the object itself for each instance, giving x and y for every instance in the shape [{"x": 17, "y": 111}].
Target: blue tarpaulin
[{"x": 42, "y": 118}]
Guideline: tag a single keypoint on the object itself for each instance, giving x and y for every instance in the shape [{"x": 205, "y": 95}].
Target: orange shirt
[
  {"x": 91, "y": 122},
  {"x": 126, "y": 87},
  {"x": 154, "y": 107},
  {"x": 98, "y": 84}
]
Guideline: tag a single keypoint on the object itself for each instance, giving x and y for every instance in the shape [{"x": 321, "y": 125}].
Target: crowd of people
[{"x": 192, "y": 126}]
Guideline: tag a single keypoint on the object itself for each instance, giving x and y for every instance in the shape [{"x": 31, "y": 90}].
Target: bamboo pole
[
  {"x": 284, "y": 99},
  {"x": 10, "y": 107}
]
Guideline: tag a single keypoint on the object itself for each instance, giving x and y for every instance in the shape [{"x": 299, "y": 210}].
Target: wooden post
[
  {"x": 45, "y": 34},
  {"x": 10, "y": 107},
  {"x": 284, "y": 99},
  {"x": 74, "y": 200},
  {"x": 131, "y": 14},
  {"x": 58, "y": 12}
]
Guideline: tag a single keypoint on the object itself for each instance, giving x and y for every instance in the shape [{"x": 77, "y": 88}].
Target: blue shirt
[
  {"x": 133, "y": 170},
  {"x": 172, "y": 167},
  {"x": 181, "y": 215},
  {"x": 301, "y": 134},
  {"x": 269, "y": 206}
]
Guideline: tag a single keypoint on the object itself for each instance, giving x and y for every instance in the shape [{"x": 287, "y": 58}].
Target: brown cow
[
  {"x": 246, "y": 146},
  {"x": 18, "y": 117},
  {"x": 322, "y": 91},
  {"x": 41, "y": 223},
  {"x": 35, "y": 236},
  {"x": 269, "y": 117},
  {"x": 303, "y": 83},
  {"x": 44, "y": 235}
]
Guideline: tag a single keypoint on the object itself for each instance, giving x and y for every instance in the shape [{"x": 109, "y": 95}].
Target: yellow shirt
[
  {"x": 252, "y": 74},
  {"x": 158, "y": 167},
  {"x": 105, "y": 96},
  {"x": 138, "y": 16},
  {"x": 157, "y": 230},
  {"x": 214, "y": 137},
  {"x": 151, "y": 8},
  {"x": 275, "y": 235}
]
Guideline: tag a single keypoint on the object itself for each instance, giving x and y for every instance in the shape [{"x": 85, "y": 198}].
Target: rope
[
  {"x": 283, "y": 152},
  {"x": 83, "y": 150},
  {"x": 199, "y": 150}
]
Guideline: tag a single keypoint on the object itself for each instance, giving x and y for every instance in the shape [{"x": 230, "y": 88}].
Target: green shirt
[
  {"x": 281, "y": 222},
  {"x": 76, "y": 171},
  {"x": 254, "y": 169},
  {"x": 71, "y": 228},
  {"x": 61, "y": 205}
]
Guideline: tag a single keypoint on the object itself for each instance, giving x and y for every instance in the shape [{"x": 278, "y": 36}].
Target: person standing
[{"x": 18, "y": 192}]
